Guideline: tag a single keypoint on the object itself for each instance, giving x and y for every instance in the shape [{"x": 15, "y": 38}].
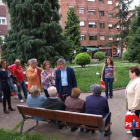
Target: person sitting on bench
[
  {"x": 97, "y": 104},
  {"x": 34, "y": 99},
  {"x": 54, "y": 103},
  {"x": 74, "y": 104}
]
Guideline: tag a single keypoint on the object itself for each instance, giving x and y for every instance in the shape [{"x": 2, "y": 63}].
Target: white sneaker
[
  {"x": 135, "y": 138},
  {"x": 129, "y": 132},
  {"x": 21, "y": 101}
]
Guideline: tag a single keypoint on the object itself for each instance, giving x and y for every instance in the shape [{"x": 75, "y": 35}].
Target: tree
[
  {"x": 82, "y": 59},
  {"x": 72, "y": 32},
  {"x": 134, "y": 38},
  {"x": 125, "y": 17},
  {"x": 35, "y": 31}
]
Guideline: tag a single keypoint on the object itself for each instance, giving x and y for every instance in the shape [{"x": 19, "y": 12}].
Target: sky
[{"x": 135, "y": 3}]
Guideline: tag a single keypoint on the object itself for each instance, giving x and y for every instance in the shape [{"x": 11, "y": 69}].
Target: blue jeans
[
  {"x": 109, "y": 86},
  {"x": 23, "y": 86}
]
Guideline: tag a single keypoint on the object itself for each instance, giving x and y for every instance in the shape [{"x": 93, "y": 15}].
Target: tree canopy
[
  {"x": 72, "y": 32},
  {"x": 35, "y": 31},
  {"x": 134, "y": 38},
  {"x": 125, "y": 16}
]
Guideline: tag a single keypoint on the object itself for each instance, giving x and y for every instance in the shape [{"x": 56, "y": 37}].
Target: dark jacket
[
  {"x": 74, "y": 104},
  {"x": 96, "y": 105},
  {"x": 71, "y": 80},
  {"x": 54, "y": 104}
]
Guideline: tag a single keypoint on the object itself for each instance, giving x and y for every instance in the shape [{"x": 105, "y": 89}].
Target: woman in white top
[{"x": 133, "y": 95}]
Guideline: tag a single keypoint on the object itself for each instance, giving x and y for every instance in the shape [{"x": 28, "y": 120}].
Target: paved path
[{"x": 117, "y": 107}]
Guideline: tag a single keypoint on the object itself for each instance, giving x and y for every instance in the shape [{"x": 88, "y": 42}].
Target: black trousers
[
  {"x": 137, "y": 112},
  {"x": 64, "y": 93}
]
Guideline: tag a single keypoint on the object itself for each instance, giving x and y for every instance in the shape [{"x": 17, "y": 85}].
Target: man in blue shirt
[{"x": 65, "y": 79}]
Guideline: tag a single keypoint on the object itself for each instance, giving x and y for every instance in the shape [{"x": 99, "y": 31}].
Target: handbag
[
  {"x": 131, "y": 121},
  {"x": 103, "y": 84}
]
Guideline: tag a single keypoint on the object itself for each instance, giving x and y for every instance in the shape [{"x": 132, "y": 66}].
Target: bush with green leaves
[
  {"x": 82, "y": 59},
  {"x": 127, "y": 56},
  {"x": 99, "y": 55}
]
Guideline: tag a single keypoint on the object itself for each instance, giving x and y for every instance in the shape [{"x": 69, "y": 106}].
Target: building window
[
  {"x": 91, "y": 12},
  {"x": 110, "y": 26},
  {"x": 83, "y": 37},
  {"x": 110, "y": 38},
  {"x": 101, "y": 13},
  {"x": 117, "y": 3},
  {"x": 81, "y": 10},
  {"x": 118, "y": 26},
  {"x": 102, "y": 25},
  {"x": 2, "y": 37},
  {"x": 82, "y": 23},
  {"x": 102, "y": 37},
  {"x": 3, "y": 21},
  {"x": 110, "y": 14},
  {"x": 109, "y": 2},
  {"x": 118, "y": 39},
  {"x": 92, "y": 24},
  {"x": 93, "y": 37},
  {"x": 71, "y": 6},
  {"x": 101, "y": 1},
  {"x": 91, "y": 0}
]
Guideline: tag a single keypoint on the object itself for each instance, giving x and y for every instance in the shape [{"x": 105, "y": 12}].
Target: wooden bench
[{"x": 84, "y": 120}]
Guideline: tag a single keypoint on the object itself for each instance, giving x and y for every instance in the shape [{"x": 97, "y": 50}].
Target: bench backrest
[{"x": 72, "y": 117}]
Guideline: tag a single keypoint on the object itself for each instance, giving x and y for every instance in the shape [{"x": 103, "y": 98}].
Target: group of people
[
  {"x": 92, "y": 104},
  {"x": 60, "y": 88}
]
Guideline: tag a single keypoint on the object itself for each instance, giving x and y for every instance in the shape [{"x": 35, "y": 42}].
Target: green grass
[
  {"x": 13, "y": 135},
  {"x": 87, "y": 76}
]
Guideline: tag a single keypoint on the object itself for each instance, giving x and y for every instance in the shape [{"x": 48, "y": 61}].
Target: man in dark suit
[{"x": 65, "y": 79}]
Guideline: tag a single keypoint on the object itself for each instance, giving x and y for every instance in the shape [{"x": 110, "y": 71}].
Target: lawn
[
  {"x": 87, "y": 76},
  {"x": 13, "y": 135}
]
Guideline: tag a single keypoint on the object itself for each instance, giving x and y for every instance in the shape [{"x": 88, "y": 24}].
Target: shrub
[
  {"x": 82, "y": 59},
  {"x": 127, "y": 56},
  {"x": 99, "y": 55}
]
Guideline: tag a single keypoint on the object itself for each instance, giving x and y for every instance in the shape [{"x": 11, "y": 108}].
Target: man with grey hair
[
  {"x": 34, "y": 74},
  {"x": 97, "y": 104},
  {"x": 65, "y": 79},
  {"x": 53, "y": 102}
]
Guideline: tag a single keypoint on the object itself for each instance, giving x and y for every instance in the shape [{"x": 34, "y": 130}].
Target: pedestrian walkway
[{"x": 117, "y": 107}]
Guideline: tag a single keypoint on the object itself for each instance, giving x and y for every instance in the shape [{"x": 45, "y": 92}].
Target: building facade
[
  {"x": 4, "y": 20},
  {"x": 96, "y": 23}
]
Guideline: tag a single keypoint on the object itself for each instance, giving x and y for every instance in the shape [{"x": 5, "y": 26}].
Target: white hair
[
  {"x": 52, "y": 91},
  {"x": 31, "y": 61}
]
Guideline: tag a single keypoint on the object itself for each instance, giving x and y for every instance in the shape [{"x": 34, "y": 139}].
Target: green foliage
[
  {"x": 124, "y": 16},
  {"x": 134, "y": 38},
  {"x": 1, "y": 41},
  {"x": 82, "y": 59},
  {"x": 87, "y": 76},
  {"x": 127, "y": 56},
  {"x": 12, "y": 135},
  {"x": 99, "y": 55},
  {"x": 35, "y": 32},
  {"x": 72, "y": 31}
]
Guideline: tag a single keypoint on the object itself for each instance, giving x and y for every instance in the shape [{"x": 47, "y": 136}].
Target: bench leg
[
  {"x": 101, "y": 135},
  {"x": 33, "y": 127},
  {"x": 22, "y": 124}
]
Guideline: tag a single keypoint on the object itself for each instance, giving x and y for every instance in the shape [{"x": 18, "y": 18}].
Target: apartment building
[
  {"x": 96, "y": 23},
  {"x": 4, "y": 20}
]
